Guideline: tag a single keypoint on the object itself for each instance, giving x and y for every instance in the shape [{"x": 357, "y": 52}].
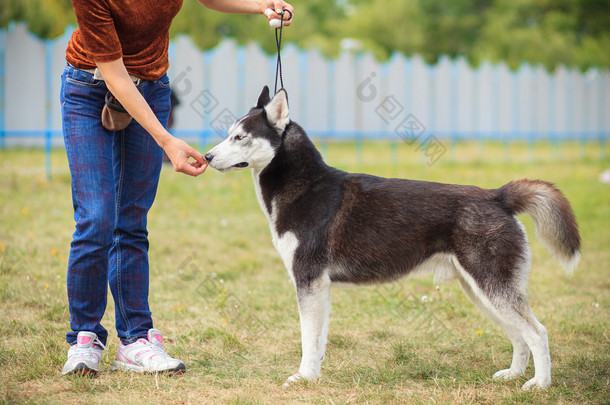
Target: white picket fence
[{"x": 353, "y": 96}]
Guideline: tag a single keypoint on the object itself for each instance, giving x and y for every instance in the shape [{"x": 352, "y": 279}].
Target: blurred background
[
  {"x": 455, "y": 91},
  {"x": 573, "y": 33},
  {"x": 428, "y": 73}
]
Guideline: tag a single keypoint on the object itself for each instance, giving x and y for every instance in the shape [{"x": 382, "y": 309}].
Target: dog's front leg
[{"x": 314, "y": 310}]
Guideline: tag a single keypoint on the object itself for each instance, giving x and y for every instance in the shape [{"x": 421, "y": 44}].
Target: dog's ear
[
  {"x": 263, "y": 99},
  {"x": 277, "y": 110}
]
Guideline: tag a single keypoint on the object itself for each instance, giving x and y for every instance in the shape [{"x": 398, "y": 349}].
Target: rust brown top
[{"x": 136, "y": 30}]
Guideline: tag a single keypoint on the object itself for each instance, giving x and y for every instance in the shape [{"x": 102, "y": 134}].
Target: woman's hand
[
  {"x": 277, "y": 6},
  {"x": 180, "y": 153},
  {"x": 252, "y": 7}
]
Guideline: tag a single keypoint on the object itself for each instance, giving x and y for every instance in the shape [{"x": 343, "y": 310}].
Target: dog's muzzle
[{"x": 209, "y": 157}]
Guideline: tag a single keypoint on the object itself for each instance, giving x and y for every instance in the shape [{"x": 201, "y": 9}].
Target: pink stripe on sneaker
[
  {"x": 83, "y": 340},
  {"x": 143, "y": 352},
  {"x": 129, "y": 361}
]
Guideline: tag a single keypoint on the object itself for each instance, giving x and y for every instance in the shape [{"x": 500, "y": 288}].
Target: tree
[
  {"x": 549, "y": 32},
  {"x": 315, "y": 27},
  {"x": 47, "y": 18}
]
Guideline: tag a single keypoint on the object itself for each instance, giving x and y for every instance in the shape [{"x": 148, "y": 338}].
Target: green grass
[{"x": 223, "y": 299}]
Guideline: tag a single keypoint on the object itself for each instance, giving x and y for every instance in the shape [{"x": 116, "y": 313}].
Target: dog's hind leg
[
  {"x": 519, "y": 317},
  {"x": 521, "y": 351},
  {"x": 535, "y": 335},
  {"x": 511, "y": 311},
  {"x": 314, "y": 311}
]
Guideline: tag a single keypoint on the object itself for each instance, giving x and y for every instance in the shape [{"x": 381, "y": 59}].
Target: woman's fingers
[
  {"x": 274, "y": 12},
  {"x": 180, "y": 153},
  {"x": 192, "y": 168},
  {"x": 196, "y": 167}
]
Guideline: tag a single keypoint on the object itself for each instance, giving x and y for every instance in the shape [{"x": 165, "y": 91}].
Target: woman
[{"x": 121, "y": 50}]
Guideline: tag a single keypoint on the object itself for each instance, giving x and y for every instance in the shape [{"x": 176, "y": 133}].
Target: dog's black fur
[
  {"x": 358, "y": 228},
  {"x": 334, "y": 214}
]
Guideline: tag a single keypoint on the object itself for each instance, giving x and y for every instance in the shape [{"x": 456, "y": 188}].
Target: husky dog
[{"x": 330, "y": 226}]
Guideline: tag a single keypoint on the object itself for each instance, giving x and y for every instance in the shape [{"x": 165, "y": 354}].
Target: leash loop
[{"x": 278, "y": 42}]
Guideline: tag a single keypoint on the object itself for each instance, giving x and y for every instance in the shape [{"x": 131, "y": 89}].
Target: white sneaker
[
  {"x": 146, "y": 356},
  {"x": 84, "y": 357}
]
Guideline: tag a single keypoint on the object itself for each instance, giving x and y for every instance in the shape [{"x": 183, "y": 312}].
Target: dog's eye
[{"x": 239, "y": 137}]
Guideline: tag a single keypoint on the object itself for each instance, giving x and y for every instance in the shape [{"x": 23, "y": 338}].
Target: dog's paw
[
  {"x": 537, "y": 383},
  {"x": 506, "y": 374},
  {"x": 292, "y": 380}
]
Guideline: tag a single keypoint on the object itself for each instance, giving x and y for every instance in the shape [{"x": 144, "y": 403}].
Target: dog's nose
[{"x": 209, "y": 157}]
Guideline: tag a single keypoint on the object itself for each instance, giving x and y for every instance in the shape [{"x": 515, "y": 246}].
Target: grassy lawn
[{"x": 221, "y": 296}]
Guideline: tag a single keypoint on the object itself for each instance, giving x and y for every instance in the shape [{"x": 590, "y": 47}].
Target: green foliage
[
  {"x": 541, "y": 31},
  {"x": 547, "y": 32},
  {"x": 45, "y": 18},
  {"x": 315, "y": 27}
]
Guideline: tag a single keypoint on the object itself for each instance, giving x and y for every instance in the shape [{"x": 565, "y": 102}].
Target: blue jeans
[{"x": 114, "y": 182}]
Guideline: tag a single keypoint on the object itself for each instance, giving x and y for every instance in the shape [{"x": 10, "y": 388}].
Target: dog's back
[{"x": 367, "y": 229}]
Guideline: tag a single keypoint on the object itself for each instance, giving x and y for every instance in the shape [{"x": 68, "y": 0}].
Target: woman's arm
[
  {"x": 120, "y": 85},
  {"x": 250, "y": 7}
]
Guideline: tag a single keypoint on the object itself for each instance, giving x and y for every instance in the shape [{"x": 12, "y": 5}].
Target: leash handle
[
  {"x": 278, "y": 42},
  {"x": 278, "y": 25},
  {"x": 275, "y": 23}
]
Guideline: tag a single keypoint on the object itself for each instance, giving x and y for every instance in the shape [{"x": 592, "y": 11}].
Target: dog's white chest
[{"x": 287, "y": 243}]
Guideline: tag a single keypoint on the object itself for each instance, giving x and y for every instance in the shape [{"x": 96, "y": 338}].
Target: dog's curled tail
[{"x": 553, "y": 218}]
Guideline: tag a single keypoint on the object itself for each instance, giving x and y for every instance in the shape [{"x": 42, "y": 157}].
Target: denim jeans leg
[
  {"x": 89, "y": 152},
  {"x": 137, "y": 166}
]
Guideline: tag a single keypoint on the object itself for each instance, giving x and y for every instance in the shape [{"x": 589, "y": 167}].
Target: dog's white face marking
[{"x": 241, "y": 150}]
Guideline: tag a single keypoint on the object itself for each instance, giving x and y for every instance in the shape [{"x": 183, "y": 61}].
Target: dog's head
[{"x": 254, "y": 139}]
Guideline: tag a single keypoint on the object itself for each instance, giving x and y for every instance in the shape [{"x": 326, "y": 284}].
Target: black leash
[{"x": 278, "y": 42}]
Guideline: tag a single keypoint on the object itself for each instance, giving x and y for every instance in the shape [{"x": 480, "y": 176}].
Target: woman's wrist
[{"x": 163, "y": 138}]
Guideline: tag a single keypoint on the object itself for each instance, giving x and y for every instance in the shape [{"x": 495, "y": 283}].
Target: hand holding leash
[
  {"x": 280, "y": 18},
  {"x": 279, "y": 25}
]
